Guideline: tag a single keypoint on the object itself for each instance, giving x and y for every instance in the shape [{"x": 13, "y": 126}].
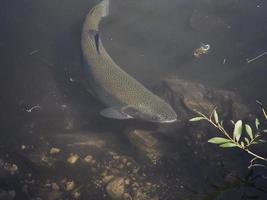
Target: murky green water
[{"x": 152, "y": 40}]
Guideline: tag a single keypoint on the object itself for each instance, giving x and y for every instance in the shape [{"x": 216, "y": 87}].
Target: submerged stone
[
  {"x": 146, "y": 143},
  {"x": 186, "y": 97},
  {"x": 116, "y": 188}
]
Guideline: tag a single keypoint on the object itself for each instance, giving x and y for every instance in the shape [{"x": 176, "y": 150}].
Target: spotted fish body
[{"x": 123, "y": 95}]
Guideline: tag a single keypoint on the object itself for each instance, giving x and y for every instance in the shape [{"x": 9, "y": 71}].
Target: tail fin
[
  {"x": 101, "y": 9},
  {"x": 105, "y": 8}
]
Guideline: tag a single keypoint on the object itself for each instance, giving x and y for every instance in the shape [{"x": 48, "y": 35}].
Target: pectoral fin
[
  {"x": 131, "y": 111},
  {"x": 115, "y": 113},
  {"x": 94, "y": 35}
]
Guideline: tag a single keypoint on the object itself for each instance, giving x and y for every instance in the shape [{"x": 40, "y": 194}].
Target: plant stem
[
  {"x": 257, "y": 135},
  {"x": 255, "y": 155}
]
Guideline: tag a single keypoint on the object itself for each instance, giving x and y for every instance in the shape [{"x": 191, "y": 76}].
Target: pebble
[
  {"x": 127, "y": 181},
  {"x": 93, "y": 162},
  {"x": 116, "y": 188},
  {"x": 72, "y": 159},
  {"x": 76, "y": 195},
  {"x": 106, "y": 179},
  {"x": 54, "y": 150},
  {"x": 12, "y": 168},
  {"x": 88, "y": 158},
  {"x": 148, "y": 184},
  {"x": 116, "y": 157},
  {"x": 55, "y": 186},
  {"x": 70, "y": 185}
]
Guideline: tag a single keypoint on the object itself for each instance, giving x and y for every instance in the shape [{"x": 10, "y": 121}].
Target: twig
[
  {"x": 262, "y": 109},
  {"x": 255, "y": 155},
  {"x": 34, "y": 52},
  {"x": 218, "y": 126},
  {"x": 32, "y": 108},
  {"x": 225, "y": 133},
  {"x": 251, "y": 162},
  {"x": 257, "y": 57},
  {"x": 258, "y": 165}
]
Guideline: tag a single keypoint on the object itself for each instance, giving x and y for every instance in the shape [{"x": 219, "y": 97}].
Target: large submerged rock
[
  {"x": 186, "y": 97},
  {"x": 146, "y": 143}
]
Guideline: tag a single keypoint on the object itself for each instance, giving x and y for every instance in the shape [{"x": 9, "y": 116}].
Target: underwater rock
[
  {"x": 116, "y": 188},
  {"x": 186, "y": 96},
  {"x": 80, "y": 140},
  {"x": 146, "y": 143}
]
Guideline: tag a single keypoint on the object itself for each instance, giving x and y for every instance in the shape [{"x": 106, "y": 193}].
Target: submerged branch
[
  {"x": 257, "y": 57},
  {"x": 233, "y": 140}
]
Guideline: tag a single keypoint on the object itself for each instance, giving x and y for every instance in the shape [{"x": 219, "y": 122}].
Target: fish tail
[
  {"x": 101, "y": 9},
  {"x": 105, "y": 9},
  {"x": 96, "y": 13}
]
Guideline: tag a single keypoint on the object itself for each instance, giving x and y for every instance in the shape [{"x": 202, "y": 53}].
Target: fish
[{"x": 124, "y": 96}]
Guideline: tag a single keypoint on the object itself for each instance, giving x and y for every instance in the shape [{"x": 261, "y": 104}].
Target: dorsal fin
[{"x": 94, "y": 35}]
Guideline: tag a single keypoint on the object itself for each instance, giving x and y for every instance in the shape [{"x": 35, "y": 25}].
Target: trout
[{"x": 123, "y": 96}]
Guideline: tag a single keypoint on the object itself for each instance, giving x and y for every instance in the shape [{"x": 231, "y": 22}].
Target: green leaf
[
  {"x": 254, "y": 142},
  {"x": 261, "y": 141},
  {"x": 230, "y": 144},
  {"x": 216, "y": 117},
  {"x": 237, "y": 130},
  {"x": 257, "y": 123},
  {"x": 264, "y": 131},
  {"x": 249, "y": 131},
  {"x": 233, "y": 122},
  {"x": 247, "y": 140},
  {"x": 218, "y": 140},
  {"x": 195, "y": 119}
]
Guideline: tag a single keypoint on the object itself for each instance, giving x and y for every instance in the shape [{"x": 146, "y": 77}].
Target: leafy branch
[{"x": 237, "y": 138}]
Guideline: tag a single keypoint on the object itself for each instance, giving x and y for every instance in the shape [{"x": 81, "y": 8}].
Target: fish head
[
  {"x": 157, "y": 112},
  {"x": 161, "y": 112}
]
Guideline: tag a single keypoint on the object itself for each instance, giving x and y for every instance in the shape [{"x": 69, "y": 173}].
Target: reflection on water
[{"x": 45, "y": 105}]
